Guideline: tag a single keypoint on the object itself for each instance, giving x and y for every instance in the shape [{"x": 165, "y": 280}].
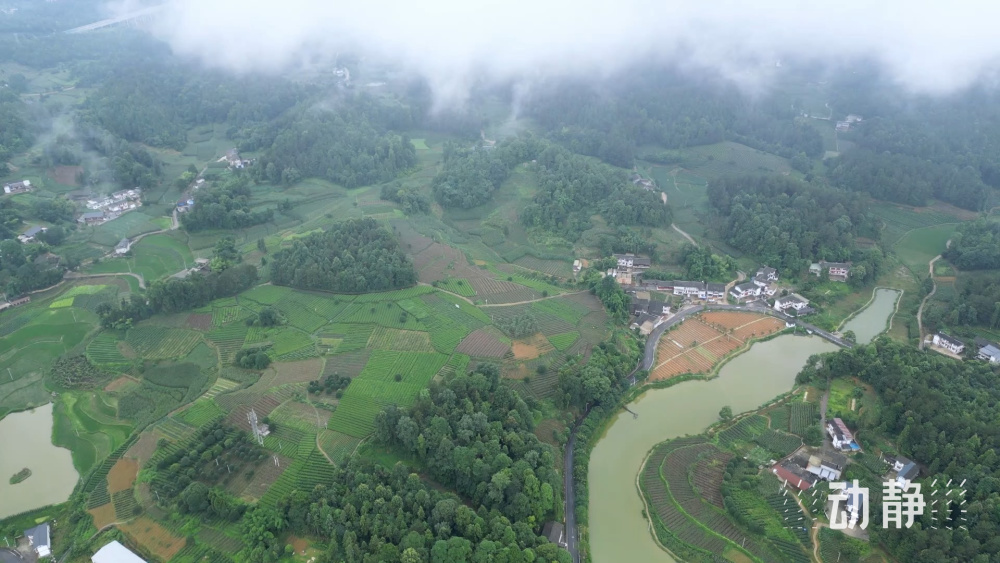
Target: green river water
[
  {"x": 873, "y": 319},
  {"x": 618, "y": 530}
]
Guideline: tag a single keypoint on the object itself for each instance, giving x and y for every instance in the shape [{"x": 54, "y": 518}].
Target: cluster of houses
[
  {"x": 846, "y": 124},
  {"x": 644, "y": 183},
  {"x": 200, "y": 265},
  {"x": 111, "y": 207},
  {"x": 30, "y": 234},
  {"x": 802, "y": 471},
  {"x": 985, "y": 350},
  {"x": 17, "y": 187},
  {"x": 836, "y": 271},
  {"x": 234, "y": 159}
]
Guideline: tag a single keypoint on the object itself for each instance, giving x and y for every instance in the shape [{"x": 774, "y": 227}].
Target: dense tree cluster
[
  {"x": 353, "y": 256},
  {"x": 252, "y": 358},
  {"x": 224, "y": 207},
  {"x": 470, "y": 176},
  {"x": 171, "y": 295},
  {"x": 788, "y": 223},
  {"x": 76, "y": 372},
  {"x": 216, "y": 453},
  {"x": 155, "y": 102},
  {"x": 976, "y": 246},
  {"x": 701, "y": 264},
  {"x": 351, "y": 143},
  {"x": 127, "y": 164},
  {"x": 573, "y": 187},
  {"x": 940, "y": 413},
  {"x": 330, "y": 384},
  {"x": 20, "y": 271},
  {"x": 908, "y": 179},
  {"x": 409, "y": 198},
  {"x": 16, "y": 133},
  {"x": 615, "y": 300},
  {"x": 976, "y": 303},
  {"x": 474, "y": 435},
  {"x": 518, "y": 326},
  {"x": 370, "y": 514},
  {"x": 665, "y": 108}
]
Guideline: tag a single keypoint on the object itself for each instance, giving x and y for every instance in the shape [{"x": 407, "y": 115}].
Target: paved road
[{"x": 570, "y": 511}]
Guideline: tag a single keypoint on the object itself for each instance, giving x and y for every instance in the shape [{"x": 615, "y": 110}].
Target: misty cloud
[{"x": 927, "y": 47}]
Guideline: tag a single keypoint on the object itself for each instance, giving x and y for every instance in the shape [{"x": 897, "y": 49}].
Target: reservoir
[
  {"x": 26, "y": 441},
  {"x": 874, "y": 318},
  {"x": 618, "y": 529}
]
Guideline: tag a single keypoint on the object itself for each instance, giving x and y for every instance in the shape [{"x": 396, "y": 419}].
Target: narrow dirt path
[
  {"x": 683, "y": 234},
  {"x": 470, "y": 302},
  {"x": 920, "y": 311}
]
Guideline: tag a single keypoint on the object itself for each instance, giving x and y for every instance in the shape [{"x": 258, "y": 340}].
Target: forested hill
[
  {"x": 354, "y": 256},
  {"x": 977, "y": 246},
  {"x": 790, "y": 223},
  {"x": 670, "y": 110},
  {"x": 943, "y": 412}
]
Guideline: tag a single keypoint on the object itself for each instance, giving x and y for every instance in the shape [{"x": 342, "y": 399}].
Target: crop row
[
  {"x": 228, "y": 340},
  {"x": 801, "y": 417},
  {"x": 103, "y": 350},
  {"x": 225, "y": 315},
  {"x": 780, "y": 443},
  {"x": 415, "y": 368},
  {"x": 154, "y": 342},
  {"x": 564, "y": 340},
  {"x": 746, "y": 430},
  {"x": 337, "y": 445},
  {"x": 394, "y": 339}
]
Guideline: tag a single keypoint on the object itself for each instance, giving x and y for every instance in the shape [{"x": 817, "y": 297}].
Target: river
[
  {"x": 26, "y": 441},
  {"x": 618, "y": 530},
  {"x": 874, "y": 318}
]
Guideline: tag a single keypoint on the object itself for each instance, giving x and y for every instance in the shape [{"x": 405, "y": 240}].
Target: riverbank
[
  {"x": 865, "y": 322},
  {"x": 620, "y": 530}
]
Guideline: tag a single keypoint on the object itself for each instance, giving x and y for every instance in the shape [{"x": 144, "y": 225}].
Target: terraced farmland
[{"x": 155, "y": 342}]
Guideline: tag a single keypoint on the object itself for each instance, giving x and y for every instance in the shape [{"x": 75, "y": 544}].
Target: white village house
[
  {"x": 123, "y": 246},
  {"x": 791, "y": 301},
  {"x": 30, "y": 234},
  {"x": 748, "y": 291},
  {"x": 953, "y": 345},
  {"x": 841, "y": 437},
  {"x": 17, "y": 187},
  {"x": 837, "y": 271},
  {"x": 115, "y": 552}
]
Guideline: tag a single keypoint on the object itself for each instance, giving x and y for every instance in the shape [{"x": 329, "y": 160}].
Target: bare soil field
[
  {"x": 122, "y": 475},
  {"x": 298, "y": 372},
  {"x": 699, "y": 343},
  {"x": 119, "y": 383},
  {"x": 66, "y": 175},
  {"x": 103, "y": 515},
  {"x": 154, "y": 537},
  {"x": 532, "y": 347},
  {"x": 143, "y": 448},
  {"x": 199, "y": 321}
]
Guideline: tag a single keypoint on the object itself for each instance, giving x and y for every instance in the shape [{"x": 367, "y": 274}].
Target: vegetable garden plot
[
  {"x": 385, "y": 313},
  {"x": 801, "y": 417},
  {"x": 349, "y": 337},
  {"x": 225, "y": 315},
  {"x": 348, "y": 365},
  {"x": 484, "y": 343},
  {"x": 154, "y": 342},
  {"x": 267, "y": 294},
  {"x": 228, "y": 340},
  {"x": 337, "y": 446},
  {"x": 404, "y": 340},
  {"x": 780, "y": 443},
  {"x": 415, "y": 368},
  {"x": 300, "y": 316},
  {"x": 566, "y": 309},
  {"x": 502, "y": 291},
  {"x": 199, "y": 321},
  {"x": 103, "y": 350},
  {"x": 743, "y": 432}
]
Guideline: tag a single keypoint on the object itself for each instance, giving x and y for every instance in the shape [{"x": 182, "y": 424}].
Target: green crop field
[
  {"x": 155, "y": 342},
  {"x": 405, "y": 340},
  {"x": 901, "y": 220},
  {"x": 917, "y": 247},
  {"x": 337, "y": 445},
  {"x": 457, "y": 285},
  {"x": 201, "y": 412},
  {"x": 564, "y": 340},
  {"x": 342, "y": 338},
  {"x": 153, "y": 257}
]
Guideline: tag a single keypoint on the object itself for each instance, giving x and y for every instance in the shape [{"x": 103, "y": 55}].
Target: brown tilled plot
[
  {"x": 103, "y": 515},
  {"x": 483, "y": 343},
  {"x": 699, "y": 343},
  {"x": 122, "y": 475},
  {"x": 298, "y": 372},
  {"x": 154, "y": 537},
  {"x": 200, "y": 321},
  {"x": 531, "y": 347}
]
